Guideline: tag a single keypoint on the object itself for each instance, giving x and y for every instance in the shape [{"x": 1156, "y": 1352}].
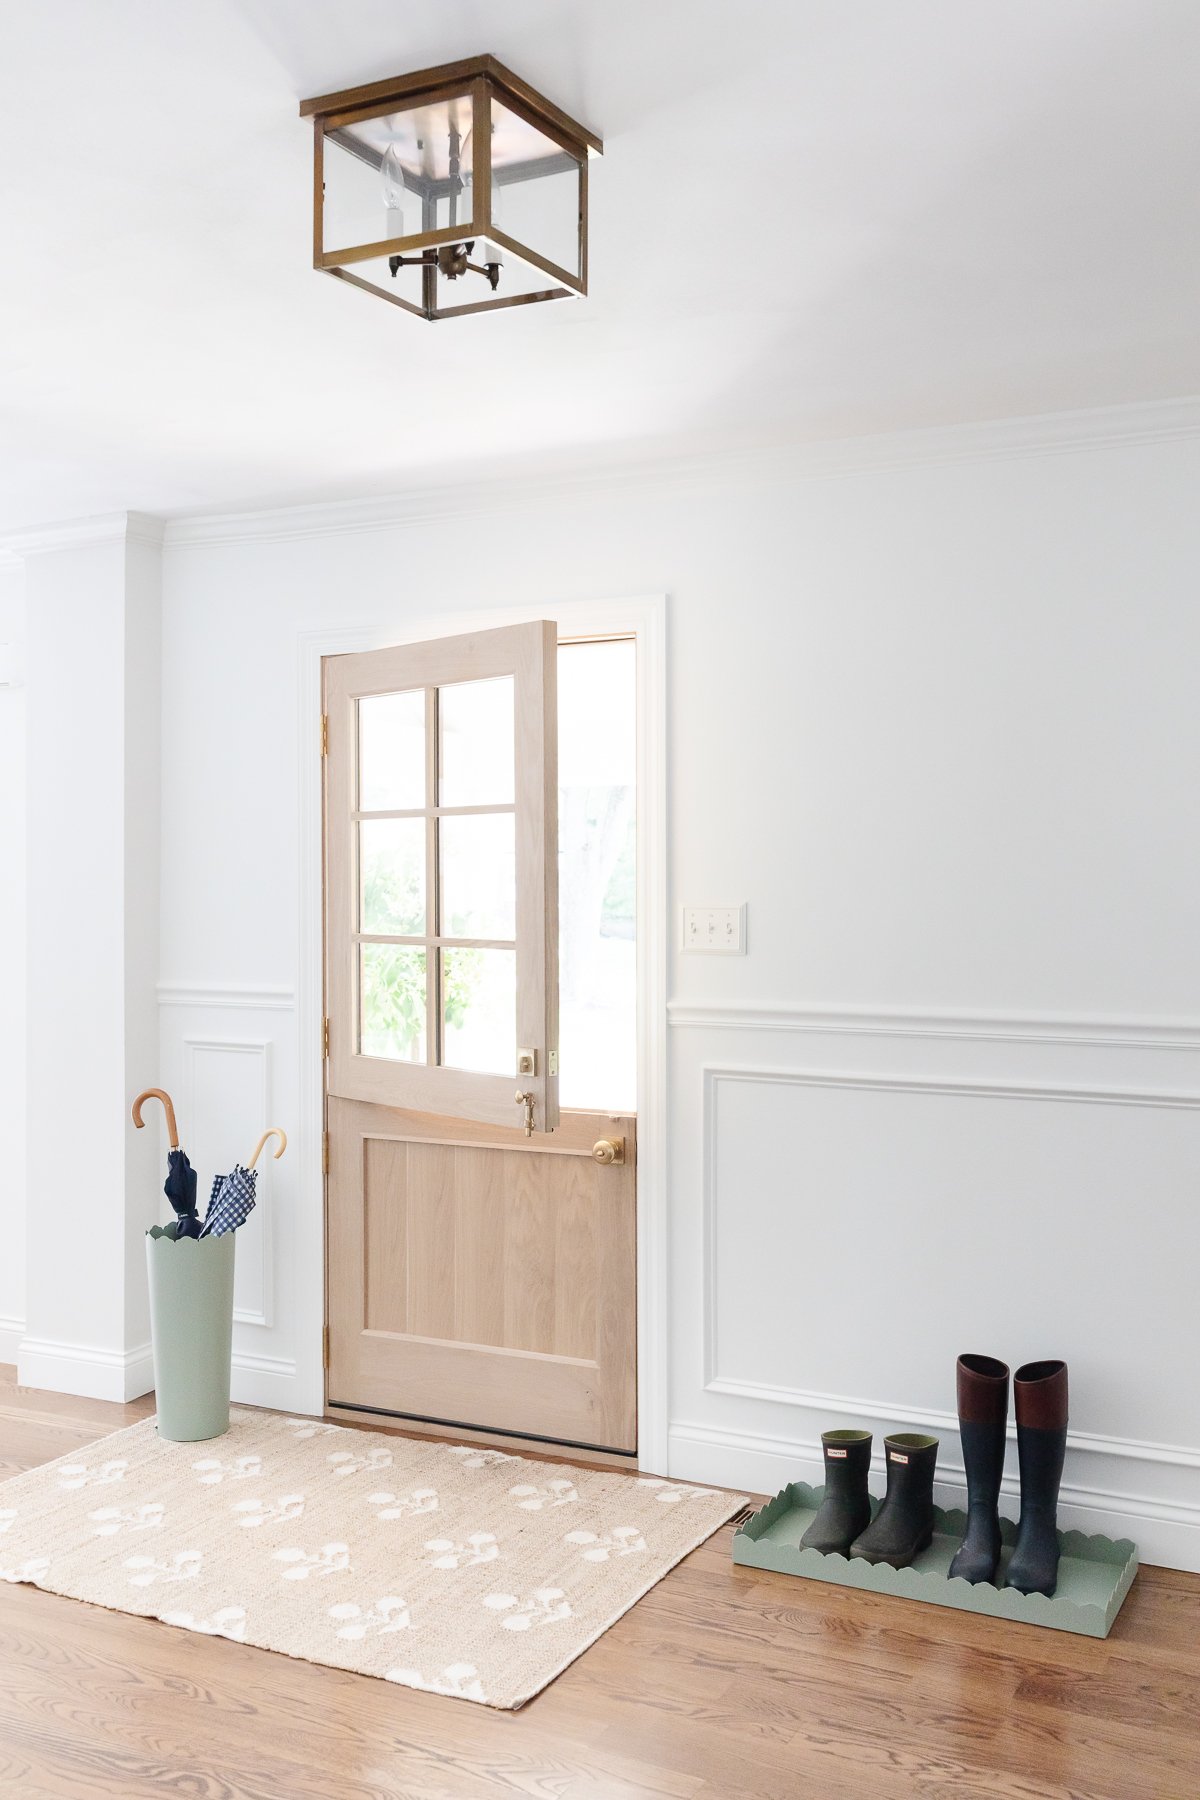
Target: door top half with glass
[{"x": 442, "y": 890}]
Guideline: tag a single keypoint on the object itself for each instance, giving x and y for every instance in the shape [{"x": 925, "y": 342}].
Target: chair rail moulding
[
  {"x": 231, "y": 995},
  {"x": 1117, "y": 1033}
]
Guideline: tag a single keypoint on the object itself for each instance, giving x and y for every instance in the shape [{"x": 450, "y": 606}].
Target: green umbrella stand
[{"x": 191, "y": 1323}]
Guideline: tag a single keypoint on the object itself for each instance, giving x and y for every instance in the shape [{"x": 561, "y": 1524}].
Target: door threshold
[{"x": 533, "y": 1443}]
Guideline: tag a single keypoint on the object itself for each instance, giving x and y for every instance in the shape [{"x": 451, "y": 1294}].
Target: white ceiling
[{"x": 813, "y": 219}]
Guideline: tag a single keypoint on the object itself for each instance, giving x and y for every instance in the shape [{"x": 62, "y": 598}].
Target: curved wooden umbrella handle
[
  {"x": 271, "y": 1131},
  {"x": 168, "y": 1108}
]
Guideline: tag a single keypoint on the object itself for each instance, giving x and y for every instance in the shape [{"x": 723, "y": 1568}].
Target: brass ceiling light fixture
[{"x": 454, "y": 190}]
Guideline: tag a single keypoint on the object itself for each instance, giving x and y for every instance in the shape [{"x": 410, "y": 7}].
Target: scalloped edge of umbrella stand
[{"x": 1095, "y": 1572}]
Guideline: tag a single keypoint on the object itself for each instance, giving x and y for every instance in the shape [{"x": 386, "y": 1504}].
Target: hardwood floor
[{"x": 722, "y": 1684}]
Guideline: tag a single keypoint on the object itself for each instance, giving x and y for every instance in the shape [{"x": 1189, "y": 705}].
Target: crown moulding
[
  {"x": 1040, "y": 434},
  {"x": 1048, "y": 434}
]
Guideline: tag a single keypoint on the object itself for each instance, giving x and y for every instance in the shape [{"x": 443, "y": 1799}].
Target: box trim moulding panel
[
  {"x": 263, "y": 1314},
  {"x": 1048, "y": 1028},
  {"x": 714, "y": 1076}
]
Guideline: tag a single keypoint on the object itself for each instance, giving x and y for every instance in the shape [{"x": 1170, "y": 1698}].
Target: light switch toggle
[{"x": 716, "y": 930}]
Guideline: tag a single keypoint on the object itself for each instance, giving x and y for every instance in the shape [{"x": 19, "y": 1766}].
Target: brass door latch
[
  {"x": 527, "y": 1100},
  {"x": 608, "y": 1150}
]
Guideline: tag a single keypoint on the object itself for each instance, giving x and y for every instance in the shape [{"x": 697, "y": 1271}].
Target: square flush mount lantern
[{"x": 455, "y": 190}]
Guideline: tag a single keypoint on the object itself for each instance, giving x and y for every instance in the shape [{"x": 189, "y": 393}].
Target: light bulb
[{"x": 391, "y": 174}]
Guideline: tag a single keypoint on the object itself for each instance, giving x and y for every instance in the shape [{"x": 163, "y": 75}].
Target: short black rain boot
[
  {"x": 903, "y": 1526},
  {"x": 982, "y": 1424},
  {"x": 846, "y": 1508},
  {"x": 1040, "y": 1393}
]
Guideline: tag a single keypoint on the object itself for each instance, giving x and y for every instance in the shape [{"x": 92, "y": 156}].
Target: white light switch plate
[{"x": 715, "y": 930}]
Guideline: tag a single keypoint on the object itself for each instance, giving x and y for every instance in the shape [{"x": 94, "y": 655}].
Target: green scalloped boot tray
[{"x": 1094, "y": 1576}]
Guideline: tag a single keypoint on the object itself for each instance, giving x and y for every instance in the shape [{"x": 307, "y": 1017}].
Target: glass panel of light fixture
[
  {"x": 479, "y": 875},
  {"x": 476, "y": 720},
  {"x": 354, "y": 210},
  {"x": 413, "y": 157},
  {"x": 375, "y": 273},
  {"x": 391, "y": 751},
  {"x": 392, "y": 1002},
  {"x": 391, "y": 865},
  {"x": 479, "y": 1010},
  {"x": 535, "y": 189}
]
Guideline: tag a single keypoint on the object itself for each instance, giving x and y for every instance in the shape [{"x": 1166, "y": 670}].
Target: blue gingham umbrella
[{"x": 231, "y": 1201}]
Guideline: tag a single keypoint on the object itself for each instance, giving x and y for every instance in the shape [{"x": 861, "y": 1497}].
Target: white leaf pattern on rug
[
  {"x": 302, "y": 1429},
  {"x": 345, "y": 1462},
  {"x": 212, "y": 1470},
  {"x": 34, "y": 1570},
  {"x": 7, "y": 1515},
  {"x": 109, "y": 1520},
  {"x": 78, "y": 1475},
  {"x": 545, "y": 1606},
  {"x": 328, "y": 1560},
  {"x": 403, "y": 1506},
  {"x": 474, "y": 1456},
  {"x": 257, "y": 1512},
  {"x": 227, "y": 1621},
  {"x": 555, "y": 1493},
  {"x": 388, "y": 1614},
  {"x": 185, "y": 1565},
  {"x": 669, "y": 1493},
  {"x": 623, "y": 1540},
  {"x": 460, "y": 1680},
  {"x": 480, "y": 1547}
]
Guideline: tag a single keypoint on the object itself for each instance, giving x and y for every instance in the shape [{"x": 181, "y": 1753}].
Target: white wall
[
  {"x": 12, "y": 968},
  {"x": 936, "y": 724},
  {"x": 94, "y": 811}
]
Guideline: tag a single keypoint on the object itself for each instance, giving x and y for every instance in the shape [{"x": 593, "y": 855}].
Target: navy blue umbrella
[
  {"x": 180, "y": 1185},
  {"x": 180, "y": 1189}
]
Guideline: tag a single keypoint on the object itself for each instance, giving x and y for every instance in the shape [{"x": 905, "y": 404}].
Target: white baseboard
[
  {"x": 1166, "y": 1530},
  {"x": 99, "y": 1374},
  {"x": 85, "y": 1369},
  {"x": 265, "y": 1381}
]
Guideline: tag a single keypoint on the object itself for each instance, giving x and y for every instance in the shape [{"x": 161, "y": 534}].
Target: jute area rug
[{"x": 448, "y": 1567}]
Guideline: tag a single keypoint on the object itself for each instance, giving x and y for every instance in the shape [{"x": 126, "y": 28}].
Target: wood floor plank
[{"x": 722, "y": 1684}]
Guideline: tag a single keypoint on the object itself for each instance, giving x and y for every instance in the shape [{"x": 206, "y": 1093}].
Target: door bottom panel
[{"x": 476, "y": 1275}]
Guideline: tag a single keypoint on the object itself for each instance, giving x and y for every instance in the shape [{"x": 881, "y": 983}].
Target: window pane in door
[
  {"x": 479, "y": 1007},
  {"x": 597, "y": 770},
  {"x": 392, "y": 1002},
  {"x": 477, "y": 723},
  {"x": 479, "y": 875},
  {"x": 391, "y": 862},
  {"x": 391, "y": 752}
]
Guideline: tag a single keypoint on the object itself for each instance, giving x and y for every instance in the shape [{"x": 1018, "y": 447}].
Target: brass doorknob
[{"x": 608, "y": 1150}]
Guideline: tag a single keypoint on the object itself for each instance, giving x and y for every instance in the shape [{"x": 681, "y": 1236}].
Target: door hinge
[
  {"x": 325, "y": 1037},
  {"x": 324, "y": 1346},
  {"x": 324, "y": 1153},
  {"x": 324, "y": 734}
]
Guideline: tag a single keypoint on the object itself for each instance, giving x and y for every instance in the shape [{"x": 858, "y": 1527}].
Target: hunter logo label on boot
[
  {"x": 892, "y": 1457},
  {"x": 831, "y": 1452}
]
